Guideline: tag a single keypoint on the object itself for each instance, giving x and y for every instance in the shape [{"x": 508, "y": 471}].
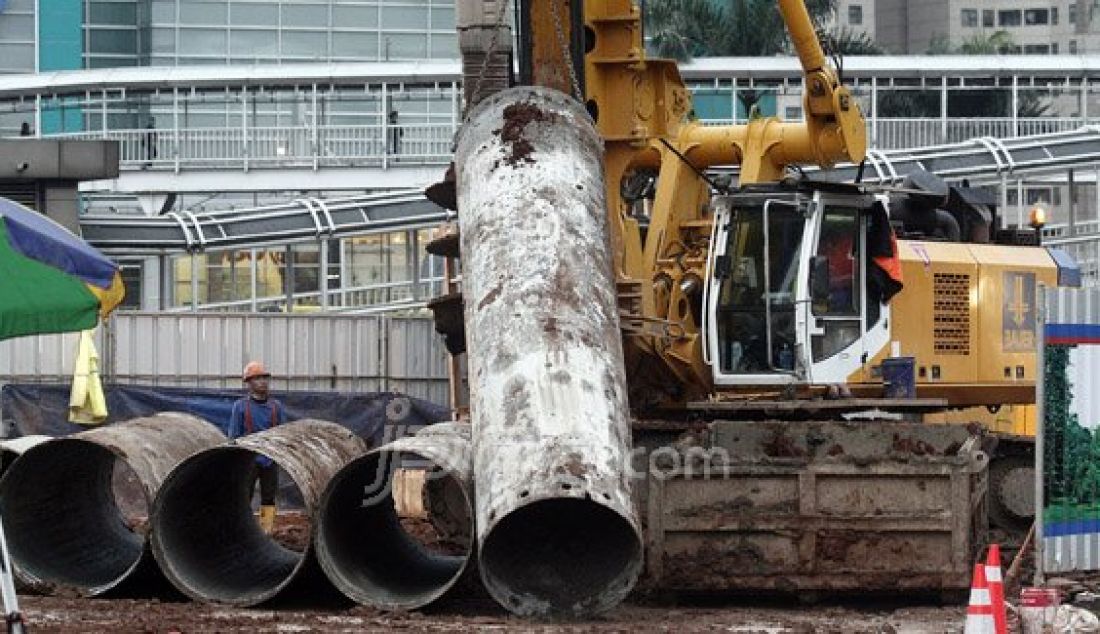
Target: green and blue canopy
[{"x": 50, "y": 280}]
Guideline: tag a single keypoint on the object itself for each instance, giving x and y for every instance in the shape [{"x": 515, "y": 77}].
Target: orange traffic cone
[
  {"x": 979, "y": 614},
  {"x": 996, "y": 588}
]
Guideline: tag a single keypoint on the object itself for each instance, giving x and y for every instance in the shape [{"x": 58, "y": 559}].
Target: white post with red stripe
[
  {"x": 996, "y": 588},
  {"x": 979, "y": 614}
]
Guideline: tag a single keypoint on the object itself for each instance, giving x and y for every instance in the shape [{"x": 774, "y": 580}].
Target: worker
[
  {"x": 836, "y": 245},
  {"x": 257, "y": 412}
]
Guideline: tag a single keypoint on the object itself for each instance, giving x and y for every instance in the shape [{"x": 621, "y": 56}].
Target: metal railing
[
  {"x": 911, "y": 132},
  {"x": 1085, "y": 249},
  {"x": 431, "y": 143},
  {"x": 891, "y": 134},
  {"x": 284, "y": 146},
  {"x": 1080, "y": 228},
  {"x": 383, "y": 297}
]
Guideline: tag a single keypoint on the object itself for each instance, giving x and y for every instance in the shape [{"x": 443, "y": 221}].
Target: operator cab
[{"x": 789, "y": 300}]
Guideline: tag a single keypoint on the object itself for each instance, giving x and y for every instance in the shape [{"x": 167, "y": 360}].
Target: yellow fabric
[
  {"x": 87, "y": 403},
  {"x": 267, "y": 519},
  {"x": 109, "y": 298}
]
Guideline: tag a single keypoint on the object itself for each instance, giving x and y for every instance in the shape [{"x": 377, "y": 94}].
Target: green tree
[
  {"x": 1057, "y": 399},
  {"x": 845, "y": 41},
  {"x": 996, "y": 43},
  {"x": 683, "y": 29},
  {"x": 1071, "y": 452}
]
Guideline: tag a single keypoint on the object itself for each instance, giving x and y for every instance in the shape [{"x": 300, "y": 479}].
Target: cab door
[
  {"x": 843, "y": 323},
  {"x": 754, "y": 293}
]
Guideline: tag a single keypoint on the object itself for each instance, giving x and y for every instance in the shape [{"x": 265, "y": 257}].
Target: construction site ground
[
  {"x": 61, "y": 614},
  {"x": 60, "y": 611}
]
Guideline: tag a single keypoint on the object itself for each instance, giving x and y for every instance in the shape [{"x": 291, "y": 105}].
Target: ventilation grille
[
  {"x": 951, "y": 313},
  {"x": 25, "y": 194}
]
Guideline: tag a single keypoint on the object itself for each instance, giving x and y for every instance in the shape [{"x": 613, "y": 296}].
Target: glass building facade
[
  {"x": 115, "y": 33},
  {"x": 363, "y": 271},
  {"x": 185, "y": 32},
  {"x": 39, "y": 35},
  {"x": 18, "y": 49},
  {"x": 45, "y": 35}
]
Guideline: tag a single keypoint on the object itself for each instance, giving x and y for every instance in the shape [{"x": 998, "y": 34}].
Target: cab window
[{"x": 839, "y": 315}]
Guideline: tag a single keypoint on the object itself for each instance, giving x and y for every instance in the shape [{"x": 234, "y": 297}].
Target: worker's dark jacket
[{"x": 250, "y": 416}]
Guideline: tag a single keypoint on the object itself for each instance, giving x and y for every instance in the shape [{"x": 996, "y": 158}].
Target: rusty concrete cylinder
[
  {"x": 360, "y": 542},
  {"x": 205, "y": 536},
  {"x": 63, "y": 516},
  {"x": 558, "y": 534}
]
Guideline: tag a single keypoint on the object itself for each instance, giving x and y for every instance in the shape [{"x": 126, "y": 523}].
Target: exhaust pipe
[
  {"x": 70, "y": 504},
  {"x": 558, "y": 534},
  {"x": 361, "y": 544},
  {"x": 205, "y": 537}
]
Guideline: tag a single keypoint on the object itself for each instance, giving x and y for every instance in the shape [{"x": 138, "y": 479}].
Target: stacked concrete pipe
[
  {"x": 557, "y": 531},
  {"x": 62, "y": 509},
  {"x": 204, "y": 533},
  {"x": 360, "y": 542},
  {"x": 12, "y": 449}
]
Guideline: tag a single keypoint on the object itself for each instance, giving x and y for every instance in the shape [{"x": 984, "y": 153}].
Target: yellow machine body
[
  {"x": 643, "y": 111},
  {"x": 967, "y": 317}
]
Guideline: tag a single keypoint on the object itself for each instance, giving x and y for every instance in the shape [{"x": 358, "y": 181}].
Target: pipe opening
[
  {"x": 377, "y": 557},
  {"x": 207, "y": 536},
  {"x": 7, "y": 456},
  {"x": 74, "y": 515},
  {"x": 560, "y": 557}
]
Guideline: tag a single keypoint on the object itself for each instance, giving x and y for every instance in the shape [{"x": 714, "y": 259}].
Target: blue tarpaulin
[
  {"x": 29, "y": 409},
  {"x": 43, "y": 408}
]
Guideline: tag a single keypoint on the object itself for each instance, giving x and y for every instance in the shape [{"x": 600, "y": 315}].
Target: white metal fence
[
  {"x": 431, "y": 143},
  {"x": 892, "y": 134},
  {"x": 1067, "y": 460},
  {"x": 284, "y": 146},
  {"x": 351, "y": 353}
]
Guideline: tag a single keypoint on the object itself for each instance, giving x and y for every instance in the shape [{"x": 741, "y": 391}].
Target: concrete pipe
[
  {"x": 558, "y": 534},
  {"x": 12, "y": 449},
  {"x": 72, "y": 505},
  {"x": 205, "y": 536},
  {"x": 361, "y": 543}
]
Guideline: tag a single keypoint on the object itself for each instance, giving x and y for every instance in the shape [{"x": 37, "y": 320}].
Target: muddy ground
[
  {"x": 65, "y": 612},
  {"x": 57, "y": 614}
]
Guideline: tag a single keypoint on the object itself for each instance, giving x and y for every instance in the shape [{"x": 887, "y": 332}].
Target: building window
[
  {"x": 988, "y": 18},
  {"x": 1071, "y": 12},
  {"x": 131, "y": 274},
  {"x": 1054, "y": 48},
  {"x": 855, "y": 14},
  {"x": 1054, "y": 15},
  {"x": 1009, "y": 18},
  {"x": 792, "y": 113},
  {"x": 1036, "y": 49},
  {"x": 970, "y": 18},
  {"x": 1073, "y": 47},
  {"x": 1034, "y": 17}
]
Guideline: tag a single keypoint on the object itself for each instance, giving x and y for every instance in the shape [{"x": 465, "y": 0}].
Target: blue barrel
[{"x": 898, "y": 377}]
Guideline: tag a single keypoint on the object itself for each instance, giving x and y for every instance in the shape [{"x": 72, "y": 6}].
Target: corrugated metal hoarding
[
  {"x": 350, "y": 353},
  {"x": 1069, "y": 442}
]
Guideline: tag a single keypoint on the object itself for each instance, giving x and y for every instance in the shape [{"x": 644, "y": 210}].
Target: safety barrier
[{"x": 1068, "y": 445}]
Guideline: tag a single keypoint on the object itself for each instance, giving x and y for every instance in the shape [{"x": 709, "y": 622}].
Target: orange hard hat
[{"x": 253, "y": 370}]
